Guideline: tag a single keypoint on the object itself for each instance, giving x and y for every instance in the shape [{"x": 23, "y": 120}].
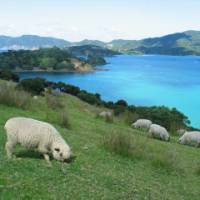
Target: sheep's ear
[{"x": 57, "y": 149}]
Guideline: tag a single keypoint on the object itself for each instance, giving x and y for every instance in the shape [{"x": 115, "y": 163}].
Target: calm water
[{"x": 143, "y": 80}]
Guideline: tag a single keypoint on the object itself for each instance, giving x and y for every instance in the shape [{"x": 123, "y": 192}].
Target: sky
[{"x": 105, "y": 20}]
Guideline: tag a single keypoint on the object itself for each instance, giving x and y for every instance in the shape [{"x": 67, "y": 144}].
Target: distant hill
[
  {"x": 45, "y": 59},
  {"x": 185, "y": 43},
  {"x": 30, "y": 42},
  {"x": 91, "y": 50},
  {"x": 89, "y": 42}
]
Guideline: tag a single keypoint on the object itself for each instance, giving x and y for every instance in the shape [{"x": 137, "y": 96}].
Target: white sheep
[
  {"x": 181, "y": 132},
  {"x": 32, "y": 133},
  {"x": 142, "y": 123},
  {"x": 190, "y": 138},
  {"x": 105, "y": 114},
  {"x": 157, "y": 131}
]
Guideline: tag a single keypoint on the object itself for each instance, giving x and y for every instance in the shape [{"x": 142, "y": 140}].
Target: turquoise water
[{"x": 172, "y": 81}]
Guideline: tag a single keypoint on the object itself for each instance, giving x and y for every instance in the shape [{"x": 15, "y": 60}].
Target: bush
[
  {"x": 63, "y": 119},
  {"x": 119, "y": 143},
  {"x": 8, "y": 75},
  {"x": 10, "y": 96},
  {"x": 130, "y": 117},
  {"x": 89, "y": 98},
  {"x": 35, "y": 85}
]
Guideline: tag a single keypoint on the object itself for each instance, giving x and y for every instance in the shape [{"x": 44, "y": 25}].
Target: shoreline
[{"x": 59, "y": 71}]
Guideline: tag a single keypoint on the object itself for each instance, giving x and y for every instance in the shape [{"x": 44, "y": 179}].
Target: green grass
[{"x": 155, "y": 170}]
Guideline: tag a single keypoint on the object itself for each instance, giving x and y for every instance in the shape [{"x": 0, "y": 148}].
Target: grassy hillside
[{"x": 153, "y": 169}]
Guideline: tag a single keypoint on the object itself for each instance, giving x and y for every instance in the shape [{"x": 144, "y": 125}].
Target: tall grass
[
  {"x": 54, "y": 102},
  {"x": 63, "y": 119},
  {"x": 123, "y": 144},
  {"x": 11, "y": 96},
  {"x": 128, "y": 145}
]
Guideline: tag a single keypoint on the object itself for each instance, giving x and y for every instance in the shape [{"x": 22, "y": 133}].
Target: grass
[
  {"x": 10, "y": 96},
  {"x": 97, "y": 172}
]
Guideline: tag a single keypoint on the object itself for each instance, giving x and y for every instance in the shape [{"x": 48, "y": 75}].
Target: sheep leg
[
  {"x": 9, "y": 149},
  {"x": 44, "y": 151},
  {"x": 46, "y": 157}
]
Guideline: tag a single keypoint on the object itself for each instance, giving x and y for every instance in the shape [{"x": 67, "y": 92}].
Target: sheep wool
[
  {"x": 157, "y": 131},
  {"x": 105, "y": 114},
  {"x": 142, "y": 123},
  {"x": 32, "y": 133},
  {"x": 190, "y": 138},
  {"x": 181, "y": 132}
]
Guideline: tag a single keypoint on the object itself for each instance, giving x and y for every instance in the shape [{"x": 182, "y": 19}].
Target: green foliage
[
  {"x": 35, "y": 86},
  {"x": 89, "y": 98},
  {"x": 64, "y": 65},
  {"x": 96, "y": 60},
  {"x": 42, "y": 59},
  {"x": 8, "y": 75}
]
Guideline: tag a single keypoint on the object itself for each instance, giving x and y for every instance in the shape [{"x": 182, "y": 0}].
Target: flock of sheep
[
  {"x": 46, "y": 139},
  {"x": 157, "y": 131}
]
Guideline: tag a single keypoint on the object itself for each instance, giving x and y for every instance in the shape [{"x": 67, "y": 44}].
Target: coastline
[{"x": 60, "y": 71}]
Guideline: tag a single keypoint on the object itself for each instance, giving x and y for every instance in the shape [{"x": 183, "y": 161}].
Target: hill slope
[
  {"x": 186, "y": 43},
  {"x": 96, "y": 172}
]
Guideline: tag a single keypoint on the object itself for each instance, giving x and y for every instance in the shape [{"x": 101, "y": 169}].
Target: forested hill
[
  {"x": 186, "y": 43},
  {"x": 50, "y": 59}
]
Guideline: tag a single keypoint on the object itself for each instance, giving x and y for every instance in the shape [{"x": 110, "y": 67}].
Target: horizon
[
  {"x": 92, "y": 39},
  {"x": 94, "y": 20}
]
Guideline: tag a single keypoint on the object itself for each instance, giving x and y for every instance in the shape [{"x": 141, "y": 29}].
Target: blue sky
[{"x": 103, "y": 19}]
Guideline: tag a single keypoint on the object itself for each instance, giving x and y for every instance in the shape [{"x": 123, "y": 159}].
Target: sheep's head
[{"x": 61, "y": 152}]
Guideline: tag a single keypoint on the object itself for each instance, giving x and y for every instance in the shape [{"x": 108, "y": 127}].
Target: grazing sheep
[
  {"x": 32, "y": 133},
  {"x": 35, "y": 97},
  {"x": 157, "y": 131},
  {"x": 142, "y": 123},
  {"x": 190, "y": 138},
  {"x": 181, "y": 132},
  {"x": 105, "y": 114}
]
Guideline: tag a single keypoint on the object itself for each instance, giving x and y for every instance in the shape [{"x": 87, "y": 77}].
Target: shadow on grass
[
  {"x": 36, "y": 155},
  {"x": 29, "y": 154}
]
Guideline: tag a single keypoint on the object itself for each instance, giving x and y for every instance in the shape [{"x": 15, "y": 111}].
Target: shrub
[
  {"x": 119, "y": 143},
  {"x": 35, "y": 85},
  {"x": 54, "y": 102},
  {"x": 122, "y": 103},
  {"x": 10, "y": 96},
  {"x": 70, "y": 89},
  {"x": 130, "y": 117},
  {"x": 63, "y": 119},
  {"x": 109, "y": 119},
  {"x": 89, "y": 98},
  {"x": 8, "y": 75},
  {"x": 119, "y": 110}
]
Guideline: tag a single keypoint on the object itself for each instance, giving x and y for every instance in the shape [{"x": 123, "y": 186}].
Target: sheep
[
  {"x": 190, "y": 138},
  {"x": 142, "y": 123},
  {"x": 105, "y": 114},
  {"x": 32, "y": 133},
  {"x": 157, "y": 131},
  {"x": 181, "y": 132}
]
